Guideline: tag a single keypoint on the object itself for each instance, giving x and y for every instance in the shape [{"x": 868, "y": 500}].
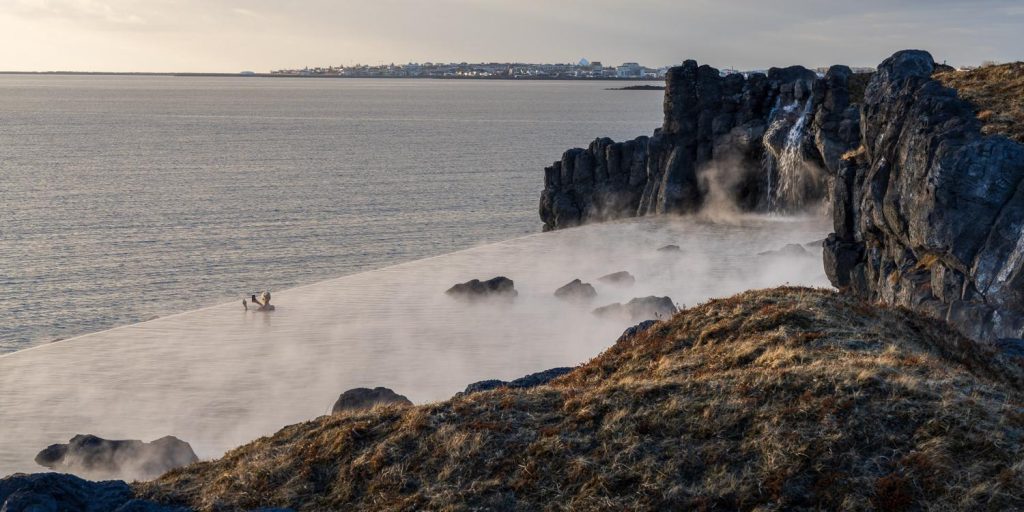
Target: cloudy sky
[{"x": 260, "y": 35}]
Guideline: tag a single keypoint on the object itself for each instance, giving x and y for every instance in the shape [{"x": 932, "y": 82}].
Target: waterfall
[
  {"x": 784, "y": 168},
  {"x": 792, "y": 172}
]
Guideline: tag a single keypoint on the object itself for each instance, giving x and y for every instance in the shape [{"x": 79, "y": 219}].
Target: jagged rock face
[
  {"x": 929, "y": 213},
  {"x": 726, "y": 133},
  {"x": 95, "y": 457}
]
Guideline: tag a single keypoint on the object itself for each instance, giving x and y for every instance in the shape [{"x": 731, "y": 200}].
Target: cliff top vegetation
[{"x": 997, "y": 92}]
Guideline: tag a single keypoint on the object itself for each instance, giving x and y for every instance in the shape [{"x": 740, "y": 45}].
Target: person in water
[{"x": 263, "y": 302}]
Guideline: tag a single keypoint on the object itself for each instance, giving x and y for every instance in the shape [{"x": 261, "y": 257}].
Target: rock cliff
[
  {"x": 763, "y": 142},
  {"x": 929, "y": 212}
]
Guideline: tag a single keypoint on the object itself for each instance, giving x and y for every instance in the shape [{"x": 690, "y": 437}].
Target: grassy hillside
[
  {"x": 789, "y": 398},
  {"x": 997, "y": 93}
]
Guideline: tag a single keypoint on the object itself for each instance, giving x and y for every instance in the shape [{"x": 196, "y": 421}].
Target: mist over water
[
  {"x": 129, "y": 198},
  {"x": 221, "y": 376}
]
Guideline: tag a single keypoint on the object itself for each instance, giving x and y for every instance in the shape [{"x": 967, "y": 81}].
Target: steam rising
[{"x": 219, "y": 377}]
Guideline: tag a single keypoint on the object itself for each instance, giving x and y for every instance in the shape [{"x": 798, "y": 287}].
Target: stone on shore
[{"x": 359, "y": 399}]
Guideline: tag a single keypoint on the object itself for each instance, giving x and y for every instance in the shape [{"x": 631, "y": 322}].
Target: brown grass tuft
[{"x": 782, "y": 399}]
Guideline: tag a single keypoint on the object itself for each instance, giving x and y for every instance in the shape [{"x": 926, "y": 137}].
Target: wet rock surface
[
  {"x": 476, "y": 289},
  {"x": 929, "y": 213},
  {"x": 639, "y": 309},
  {"x": 732, "y": 133},
  {"x": 576, "y": 290},
  {"x": 358, "y": 399},
  {"x": 621, "y": 278},
  {"x": 95, "y": 457}
]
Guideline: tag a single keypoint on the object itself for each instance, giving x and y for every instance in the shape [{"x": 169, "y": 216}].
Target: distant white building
[{"x": 629, "y": 70}]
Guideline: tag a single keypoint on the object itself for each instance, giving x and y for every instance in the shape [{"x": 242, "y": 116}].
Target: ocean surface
[{"x": 124, "y": 199}]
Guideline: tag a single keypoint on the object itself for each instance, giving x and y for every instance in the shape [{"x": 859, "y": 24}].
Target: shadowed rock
[
  {"x": 621, "y": 278},
  {"x": 639, "y": 309},
  {"x": 365, "y": 398},
  {"x": 95, "y": 457},
  {"x": 476, "y": 289},
  {"x": 576, "y": 291},
  {"x": 529, "y": 381},
  {"x": 929, "y": 213}
]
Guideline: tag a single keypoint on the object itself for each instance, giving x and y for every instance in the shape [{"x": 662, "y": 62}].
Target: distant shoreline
[
  {"x": 275, "y": 75},
  {"x": 645, "y": 87}
]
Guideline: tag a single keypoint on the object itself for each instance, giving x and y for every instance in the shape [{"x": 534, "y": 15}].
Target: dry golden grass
[
  {"x": 782, "y": 399},
  {"x": 997, "y": 93}
]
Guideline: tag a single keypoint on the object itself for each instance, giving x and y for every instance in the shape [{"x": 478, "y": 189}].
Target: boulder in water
[
  {"x": 359, "y": 399},
  {"x": 621, "y": 278},
  {"x": 576, "y": 291},
  {"x": 788, "y": 250},
  {"x": 476, "y": 289},
  {"x": 639, "y": 309},
  {"x": 670, "y": 248},
  {"x": 95, "y": 457}
]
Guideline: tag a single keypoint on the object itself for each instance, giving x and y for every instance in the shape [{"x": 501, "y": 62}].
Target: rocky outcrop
[
  {"x": 766, "y": 141},
  {"x": 95, "y": 457},
  {"x": 359, "y": 399},
  {"x": 476, "y": 289},
  {"x": 529, "y": 381},
  {"x": 576, "y": 291},
  {"x": 45, "y": 492},
  {"x": 639, "y": 309},
  {"x": 929, "y": 213}
]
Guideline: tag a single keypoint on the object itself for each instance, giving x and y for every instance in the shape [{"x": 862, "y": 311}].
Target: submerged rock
[
  {"x": 529, "y": 381},
  {"x": 495, "y": 287},
  {"x": 787, "y": 250},
  {"x": 670, "y": 248},
  {"x": 93, "y": 456},
  {"x": 576, "y": 291},
  {"x": 638, "y": 309},
  {"x": 365, "y": 398},
  {"x": 621, "y": 278}
]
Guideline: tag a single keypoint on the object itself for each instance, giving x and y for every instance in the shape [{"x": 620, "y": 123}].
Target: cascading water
[
  {"x": 792, "y": 171},
  {"x": 784, "y": 167}
]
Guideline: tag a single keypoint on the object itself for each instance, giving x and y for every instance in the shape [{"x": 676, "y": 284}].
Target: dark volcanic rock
[
  {"x": 639, "y": 309},
  {"x": 46, "y": 492},
  {"x": 621, "y": 278},
  {"x": 929, "y": 213},
  {"x": 365, "y": 398},
  {"x": 93, "y": 456},
  {"x": 708, "y": 120},
  {"x": 53, "y": 491},
  {"x": 631, "y": 332},
  {"x": 577, "y": 291},
  {"x": 529, "y": 381},
  {"x": 495, "y": 287}
]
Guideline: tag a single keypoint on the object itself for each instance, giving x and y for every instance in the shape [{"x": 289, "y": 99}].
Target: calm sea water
[{"x": 128, "y": 198}]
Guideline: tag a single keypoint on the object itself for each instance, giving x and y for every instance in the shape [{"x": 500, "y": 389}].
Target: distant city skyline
[{"x": 264, "y": 35}]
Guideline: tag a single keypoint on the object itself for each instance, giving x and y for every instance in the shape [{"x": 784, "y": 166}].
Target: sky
[{"x": 261, "y": 35}]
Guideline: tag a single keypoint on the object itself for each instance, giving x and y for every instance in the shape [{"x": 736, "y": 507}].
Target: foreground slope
[{"x": 790, "y": 397}]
